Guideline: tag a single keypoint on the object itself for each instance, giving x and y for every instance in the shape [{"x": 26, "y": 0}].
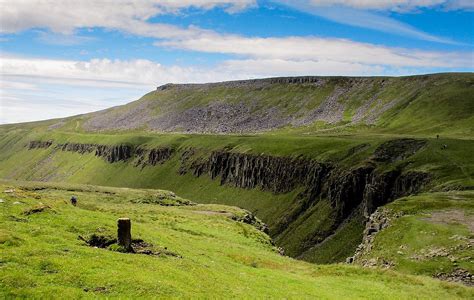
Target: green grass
[
  {"x": 340, "y": 245},
  {"x": 451, "y": 168},
  {"x": 410, "y": 238},
  {"x": 41, "y": 255},
  {"x": 426, "y": 106}
]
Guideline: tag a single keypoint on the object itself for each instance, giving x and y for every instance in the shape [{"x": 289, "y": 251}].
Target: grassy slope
[
  {"x": 425, "y": 105},
  {"x": 409, "y": 240},
  {"x": 444, "y": 106},
  {"x": 41, "y": 255},
  {"x": 451, "y": 168}
]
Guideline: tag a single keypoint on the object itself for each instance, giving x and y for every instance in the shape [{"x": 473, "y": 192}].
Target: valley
[{"x": 369, "y": 176}]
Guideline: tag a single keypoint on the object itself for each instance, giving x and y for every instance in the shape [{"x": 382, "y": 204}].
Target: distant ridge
[{"x": 422, "y": 104}]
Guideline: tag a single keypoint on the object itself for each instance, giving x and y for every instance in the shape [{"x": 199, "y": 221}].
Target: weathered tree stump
[{"x": 124, "y": 236}]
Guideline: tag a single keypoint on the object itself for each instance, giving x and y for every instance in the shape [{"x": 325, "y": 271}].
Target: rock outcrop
[
  {"x": 79, "y": 148},
  {"x": 249, "y": 218},
  {"x": 398, "y": 149},
  {"x": 39, "y": 144},
  {"x": 111, "y": 153},
  {"x": 459, "y": 275},
  {"x": 152, "y": 157},
  {"x": 377, "y": 221},
  {"x": 386, "y": 187},
  {"x": 114, "y": 153},
  {"x": 270, "y": 173}
]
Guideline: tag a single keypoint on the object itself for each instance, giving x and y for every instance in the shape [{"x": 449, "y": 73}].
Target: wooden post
[{"x": 124, "y": 236}]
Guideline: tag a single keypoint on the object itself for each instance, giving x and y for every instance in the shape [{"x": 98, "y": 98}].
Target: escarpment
[
  {"x": 39, "y": 144},
  {"x": 348, "y": 192},
  {"x": 152, "y": 157},
  {"x": 79, "y": 148},
  {"x": 262, "y": 105},
  {"x": 253, "y": 82},
  {"x": 270, "y": 173},
  {"x": 112, "y": 153}
]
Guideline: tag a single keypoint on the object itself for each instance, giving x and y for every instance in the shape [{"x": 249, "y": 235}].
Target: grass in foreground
[{"x": 41, "y": 255}]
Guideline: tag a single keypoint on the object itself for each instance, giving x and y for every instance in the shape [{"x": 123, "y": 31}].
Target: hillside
[
  {"x": 42, "y": 255},
  {"x": 421, "y": 105},
  {"x": 315, "y": 158}
]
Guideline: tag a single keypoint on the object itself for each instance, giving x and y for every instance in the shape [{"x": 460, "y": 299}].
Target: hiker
[
  {"x": 73, "y": 200},
  {"x": 437, "y": 136}
]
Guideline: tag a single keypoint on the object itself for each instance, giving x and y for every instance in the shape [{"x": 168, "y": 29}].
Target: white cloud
[
  {"x": 132, "y": 16},
  {"x": 63, "y": 16},
  {"x": 36, "y": 89},
  {"x": 62, "y": 39},
  {"x": 259, "y": 56},
  {"x": 320, "y": 49},
  {"x": 33, "y": 89},
  {"x": 355, "y": 13},
  {"x": 104, "y": 72},
  {"x": 397, "y": 5},
  {"x": 257, "y": 68}
]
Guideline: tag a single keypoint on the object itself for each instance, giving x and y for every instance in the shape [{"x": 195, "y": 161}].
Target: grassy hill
[
  {"x": 420, "y": 105},
  {"x": 200, "y": 251},
  {"x": 313, "y": 157}
]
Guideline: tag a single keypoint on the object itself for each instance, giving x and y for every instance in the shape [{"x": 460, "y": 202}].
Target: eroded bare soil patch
[{"x": 452, "y": 216}]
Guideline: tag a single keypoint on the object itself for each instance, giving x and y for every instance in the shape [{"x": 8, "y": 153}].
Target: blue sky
[{"x": 60, "y": 58}]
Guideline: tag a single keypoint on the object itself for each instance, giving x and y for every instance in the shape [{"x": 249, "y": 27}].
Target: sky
[{"x": 65, "y": 57}]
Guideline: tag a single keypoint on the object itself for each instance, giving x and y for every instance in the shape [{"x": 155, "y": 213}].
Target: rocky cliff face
[
  {"x": 112, "y": 153},
  {"x": 346, "y": 189},
  {"x": 152, "y": 157},
  {"x": 79, "y": 148},
  {"x": 270, "y": 173},
  {"x": 377, "y": 221},
  {"x": 39, "y": 144}
]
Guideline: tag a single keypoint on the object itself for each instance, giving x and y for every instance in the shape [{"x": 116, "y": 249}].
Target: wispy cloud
[
  {"x": 397, "y": 5},
  {"x": 353, "y": 14},
  {"x": 321, "y": 49},
  {"x": 59, "y": 39},
  {"x": 34, "y": 89},
  {"x": 62, "y": 18},
  {"x": 66, "y": 15}
]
